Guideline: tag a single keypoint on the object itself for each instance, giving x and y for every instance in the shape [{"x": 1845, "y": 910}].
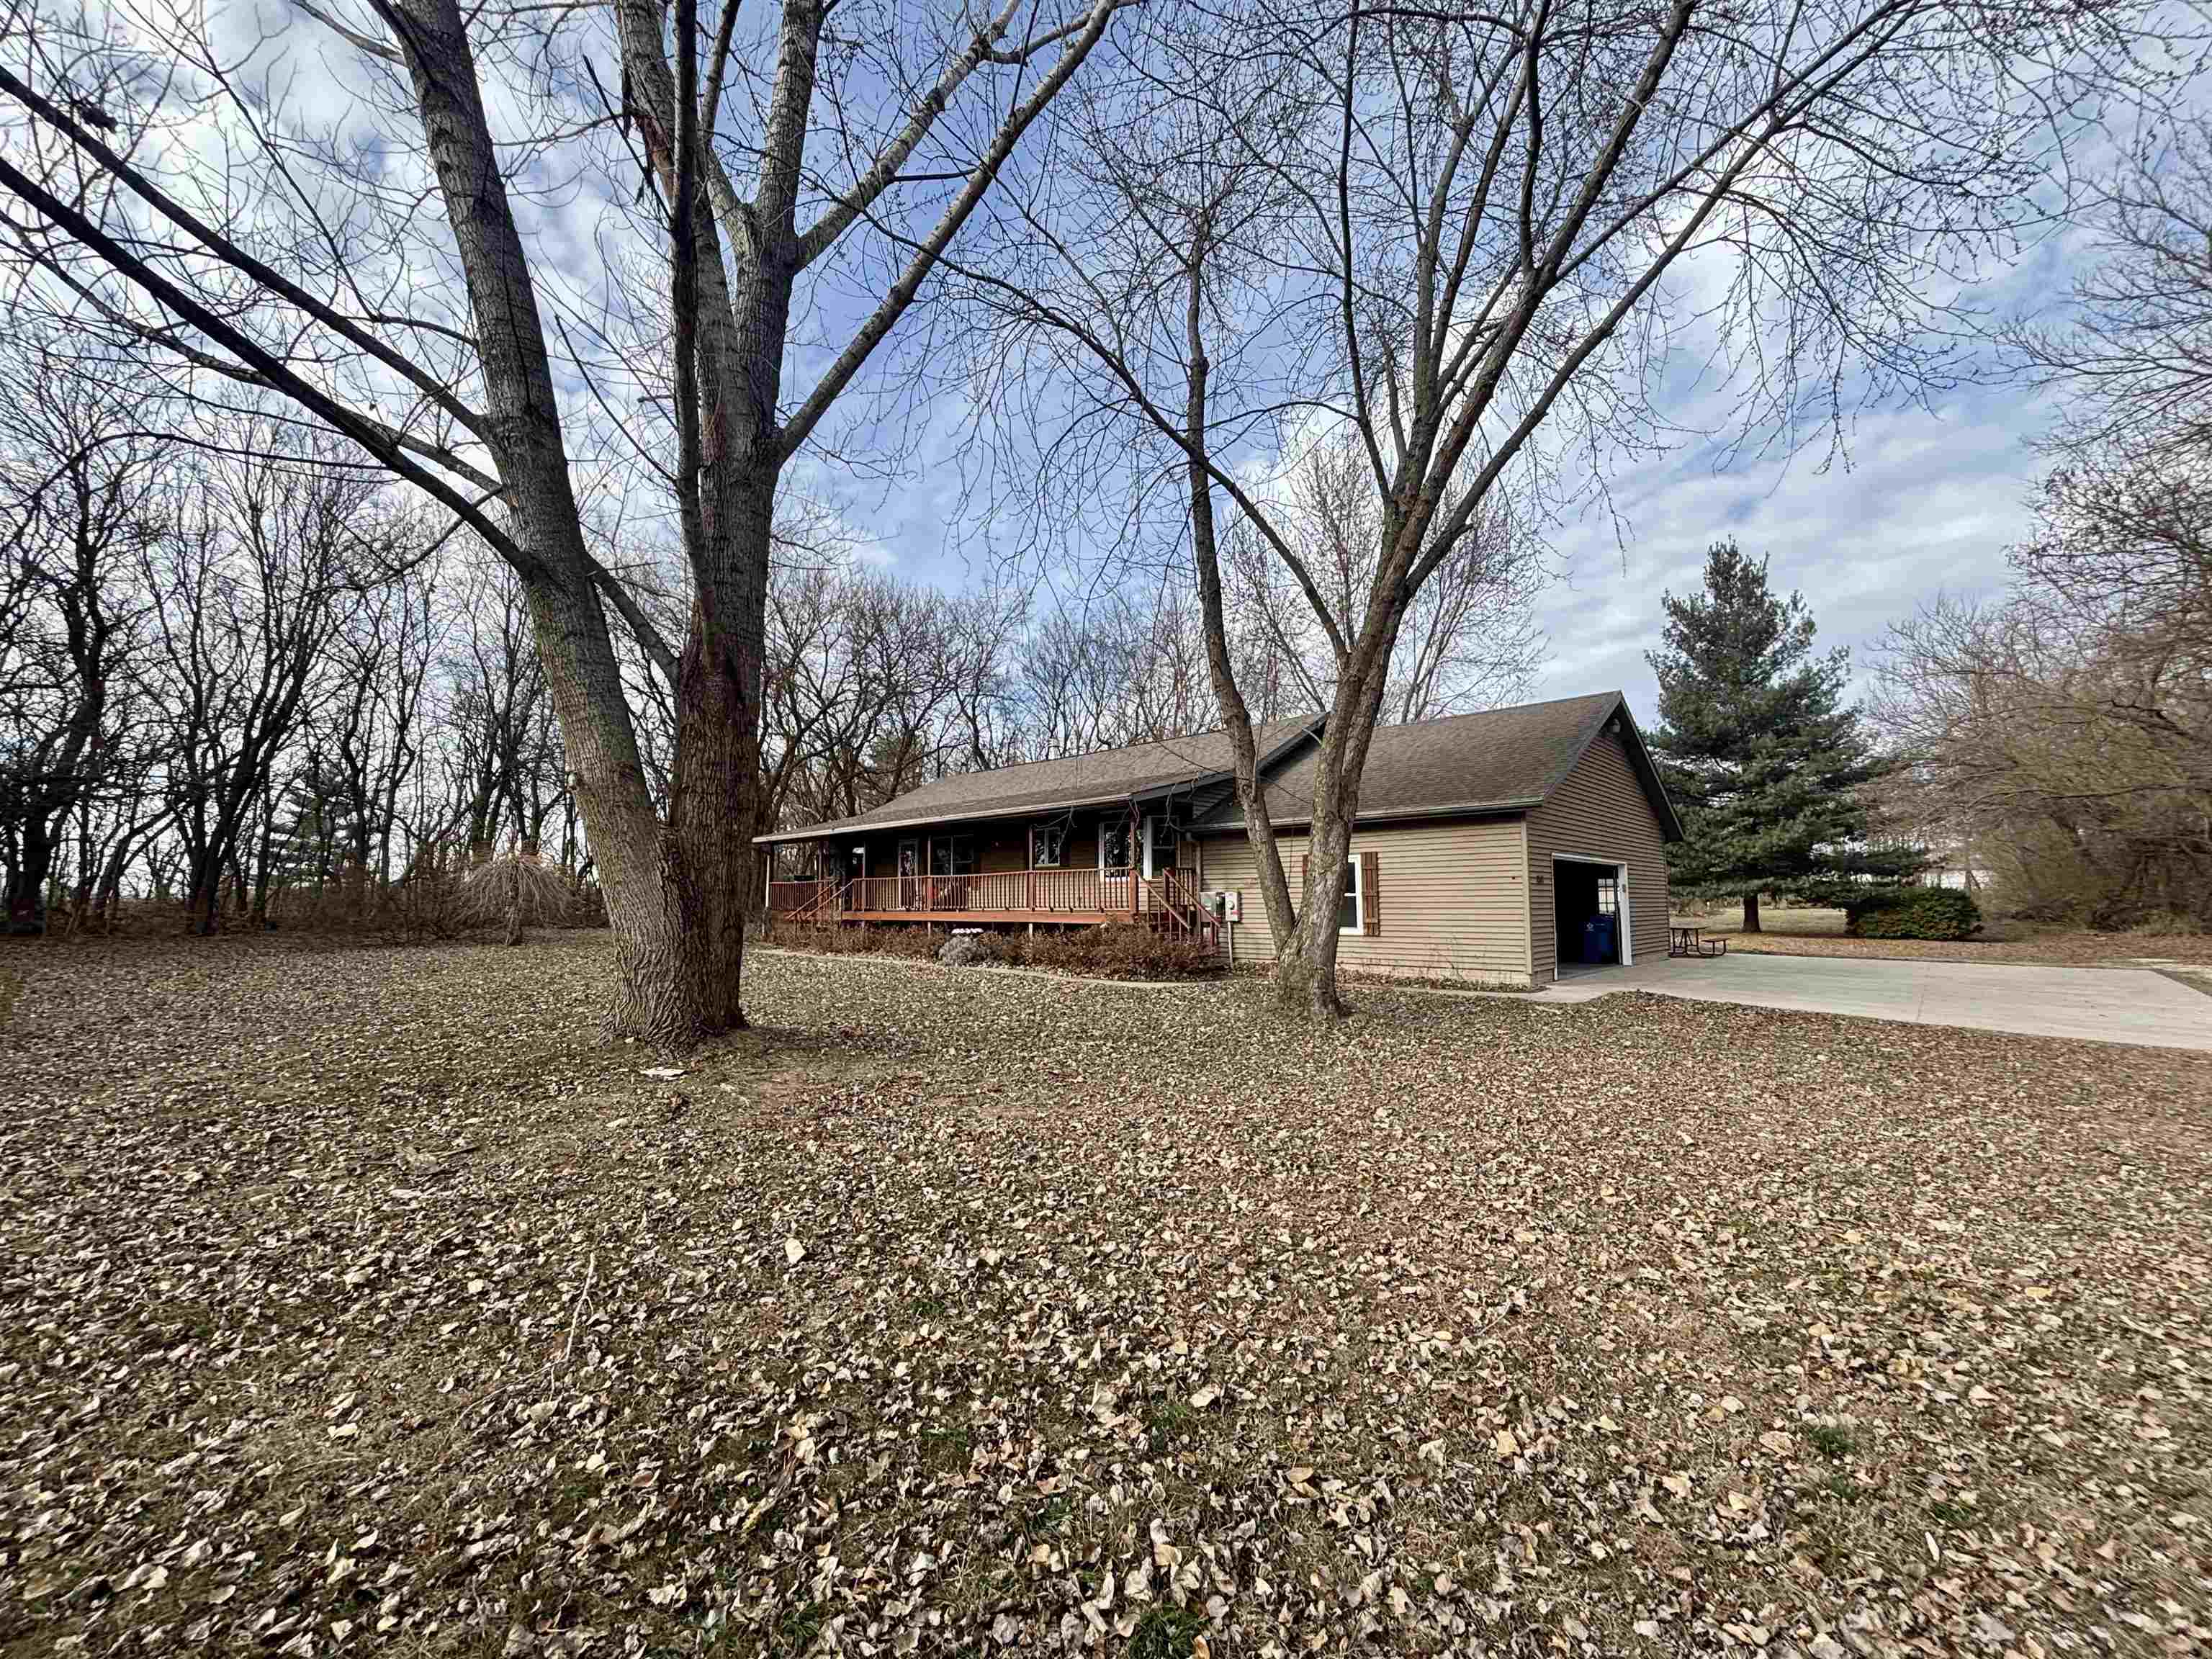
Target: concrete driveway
[{"x": 2098, "y": 1005}]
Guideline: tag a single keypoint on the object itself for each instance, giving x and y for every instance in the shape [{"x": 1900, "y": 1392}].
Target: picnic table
[{"x": 1689, "y": 942}]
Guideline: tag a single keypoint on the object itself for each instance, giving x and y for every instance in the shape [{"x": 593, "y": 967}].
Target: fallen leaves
[{"x": 1167, "y": 1324}]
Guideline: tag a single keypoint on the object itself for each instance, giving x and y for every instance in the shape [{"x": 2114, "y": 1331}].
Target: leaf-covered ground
[{"x": 364, "y": 1299}]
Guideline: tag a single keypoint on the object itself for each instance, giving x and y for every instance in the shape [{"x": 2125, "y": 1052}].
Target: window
[
  {"x": 1048, "y": 846},
  {"x": 952, "y": 855},
  {"x": 1114, "y": 848},
  {"x": 1347, "y": 907},
  {"x": 1608, "y": 896}
]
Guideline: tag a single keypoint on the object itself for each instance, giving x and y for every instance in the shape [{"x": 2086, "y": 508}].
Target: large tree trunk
[
  {"x": 711, "y": 808},
  {"x": 1751, "y": 912},
  {"x": 663, "y": 966},
  {"x": 1305, "y": 963},
  {"x": 26, "y": 881},
  {"x": 203, "y": 896}
]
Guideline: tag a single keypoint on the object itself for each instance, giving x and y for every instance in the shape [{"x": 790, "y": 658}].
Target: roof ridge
[
  {"x": 1121, "y": 748},
  {"x": 1504, "y": 708}
]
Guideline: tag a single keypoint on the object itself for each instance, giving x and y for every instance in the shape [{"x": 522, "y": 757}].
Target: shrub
[
  {"x": 1913, "y": 913},
  {"x": 1115, "y": 952},
  {"x": 1110, "y": 952}
]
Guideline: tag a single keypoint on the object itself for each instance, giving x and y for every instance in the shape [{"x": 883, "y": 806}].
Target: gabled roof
[
  {"x": 1502, "y": 760},
  {"x": 1178, "y": 766}
]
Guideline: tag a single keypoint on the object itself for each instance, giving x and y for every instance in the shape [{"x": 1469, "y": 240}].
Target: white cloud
[{"x": 1927, "y": 503}]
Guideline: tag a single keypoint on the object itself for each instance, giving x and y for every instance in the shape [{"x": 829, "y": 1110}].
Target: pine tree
[{"x": 1764, "y": 759}]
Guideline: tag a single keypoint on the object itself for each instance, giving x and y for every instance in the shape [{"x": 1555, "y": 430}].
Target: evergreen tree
[{"x": 1764, "y": 759}]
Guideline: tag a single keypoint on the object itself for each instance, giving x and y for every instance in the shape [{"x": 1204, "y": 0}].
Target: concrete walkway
[{"x": 2098, "y": 1005}]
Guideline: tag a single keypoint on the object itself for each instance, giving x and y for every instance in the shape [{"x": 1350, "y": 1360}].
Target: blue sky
[
  {"x": 1918, "y": 500},
  {"x": 1925, "y": 502},
  {"x": 1922, "y": 502}
]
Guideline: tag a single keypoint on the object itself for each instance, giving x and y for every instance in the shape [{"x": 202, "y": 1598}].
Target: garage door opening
[{"x": 1590, "y": 915}]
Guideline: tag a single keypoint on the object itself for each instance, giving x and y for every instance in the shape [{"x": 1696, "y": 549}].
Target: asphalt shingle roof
[
  {"x": 1111, "y": 775},
  {"x": 1499, "y": 760}
]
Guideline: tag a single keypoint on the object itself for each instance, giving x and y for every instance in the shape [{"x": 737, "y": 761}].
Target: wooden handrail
[{"x": 1169, "y": 899}]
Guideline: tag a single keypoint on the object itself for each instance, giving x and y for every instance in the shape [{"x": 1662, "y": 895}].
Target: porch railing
[
  {"x": 1052, "y": 890},
  {"x": 803, "y": 900},
  {"x": 1169, "y": 898}
]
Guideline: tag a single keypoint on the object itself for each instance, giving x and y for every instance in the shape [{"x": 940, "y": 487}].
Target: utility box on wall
[{"x": 1225, "y": 903}]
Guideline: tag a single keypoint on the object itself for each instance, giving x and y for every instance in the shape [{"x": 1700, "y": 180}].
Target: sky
[
  {"x": 1925, "y": 502},
  {"x": 1917, "y": 500},
  {"x": 1922, "y": 502}
]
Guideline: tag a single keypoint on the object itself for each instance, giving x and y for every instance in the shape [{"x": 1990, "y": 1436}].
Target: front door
[
  {"x": 909, "y": 870},
  {"x": 1116, "y": 855}
]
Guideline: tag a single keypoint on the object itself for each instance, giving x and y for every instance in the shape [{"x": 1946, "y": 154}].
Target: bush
[
  {"x": 1115, "y": 952},
  {"x": 1109, "y": 952},
  {"x": 1914, "y": 913}
]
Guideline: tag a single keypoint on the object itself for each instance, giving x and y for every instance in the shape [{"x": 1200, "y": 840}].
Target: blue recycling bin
[{"x": 1598, "y": 939}]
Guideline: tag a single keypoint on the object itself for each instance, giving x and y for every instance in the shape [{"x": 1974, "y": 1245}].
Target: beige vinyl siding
[
  {"x": 1600, "y": 811},
  {"x": 1455, "y": 902}
]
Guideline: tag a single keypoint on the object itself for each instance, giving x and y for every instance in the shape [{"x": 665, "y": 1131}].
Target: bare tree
[
  {"x": 79, "y": 482},
  {"x": 785, "y": 164},
  {"x": 2065, "y": 731},
  {"x": 376, "y": 734},
  {"x": 246, "y": 595},
  {"x": 876, "y": 686},
  {"x": 2075, "y": 765},
  {"x": 2131, "y": 349},
  {"x": 1469, "y": 639},
  {"x": 1467, "y": 243}
]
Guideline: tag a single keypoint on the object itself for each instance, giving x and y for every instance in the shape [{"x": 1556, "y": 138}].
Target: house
[{"x": 1486, "y": 846}]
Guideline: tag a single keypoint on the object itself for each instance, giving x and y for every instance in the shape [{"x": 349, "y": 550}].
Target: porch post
[{"x": 1136, "y": 861}]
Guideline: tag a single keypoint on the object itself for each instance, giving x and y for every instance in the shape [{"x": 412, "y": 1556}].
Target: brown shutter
[{"x": 1370, "y": 896}]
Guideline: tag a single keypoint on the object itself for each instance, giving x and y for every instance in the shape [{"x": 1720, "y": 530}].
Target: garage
[{"x": 1588, "y": 901}]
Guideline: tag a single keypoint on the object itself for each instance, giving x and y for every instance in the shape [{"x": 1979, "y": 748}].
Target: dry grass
[
  {"x": 1783, "y": 920},
  {"x": 365, "y": 1298}
]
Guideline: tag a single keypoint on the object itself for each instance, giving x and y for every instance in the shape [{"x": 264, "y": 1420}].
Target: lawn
[{"x": 367, "y": 1299}]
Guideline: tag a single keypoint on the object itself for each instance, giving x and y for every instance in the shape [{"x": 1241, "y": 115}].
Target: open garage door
[{"x": 1590, "y": 913}]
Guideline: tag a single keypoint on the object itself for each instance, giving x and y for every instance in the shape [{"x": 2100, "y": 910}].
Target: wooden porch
[{"x": 1064, "y": 898}]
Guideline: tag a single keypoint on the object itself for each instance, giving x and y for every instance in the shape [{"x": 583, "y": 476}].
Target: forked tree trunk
[
  {"x": 665, "y": 991},
  {"x": 204, "y": 898}
]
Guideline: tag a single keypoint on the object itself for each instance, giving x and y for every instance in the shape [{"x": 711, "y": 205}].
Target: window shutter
[{"x": 1370, "y": 896}]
